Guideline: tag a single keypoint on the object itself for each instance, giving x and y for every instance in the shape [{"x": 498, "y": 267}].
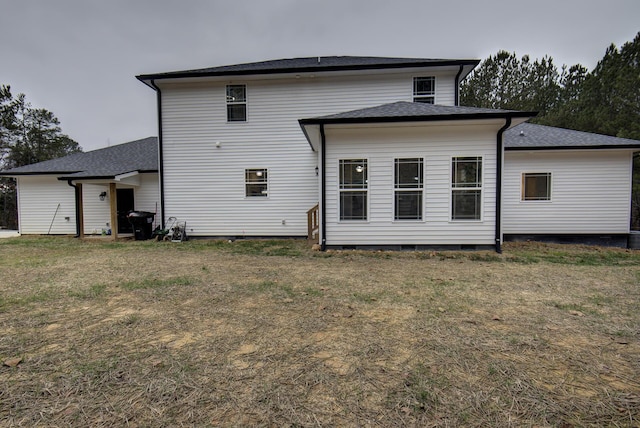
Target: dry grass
[{"x": 268, "y": 333}]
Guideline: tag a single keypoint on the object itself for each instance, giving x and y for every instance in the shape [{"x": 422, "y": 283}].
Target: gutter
[
  {"x": 457, "y": 86},
  {"x": 77, "y": 199},
  {"x": 160, "y": 154},
  {"x": 499, "y": 162},
  {"x": 323, "y": 182}
]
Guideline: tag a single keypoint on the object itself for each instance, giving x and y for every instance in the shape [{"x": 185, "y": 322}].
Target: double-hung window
[
  {"x": 236, "y": 103},
  {"x": 255, "y": 183},
  {"x": 536, "y": 186},
  {"x": 466, "y": 188},
  {"x": 408, "y": 188},
  {"x": 424, "y": 90},
  {"x": 353, "y": 189}
]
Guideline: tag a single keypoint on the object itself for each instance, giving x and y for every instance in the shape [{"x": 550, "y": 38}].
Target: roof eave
[
  {"x": 144, "y": 78},
  {"x": 593, "y": 147},
  {"x": 16, "y": 174},
  {"x": 426, "y": 118}
]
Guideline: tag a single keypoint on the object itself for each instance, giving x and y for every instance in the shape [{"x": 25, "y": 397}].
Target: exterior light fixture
[
  {"x": 102, "y": 196},
  {"x": 316, "y": 171}
]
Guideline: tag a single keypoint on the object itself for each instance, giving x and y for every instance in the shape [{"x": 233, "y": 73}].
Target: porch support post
[{"x": 113, "y": 204}]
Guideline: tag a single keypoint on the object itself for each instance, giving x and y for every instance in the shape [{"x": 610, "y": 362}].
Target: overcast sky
[{"x": 79, "y": 58}]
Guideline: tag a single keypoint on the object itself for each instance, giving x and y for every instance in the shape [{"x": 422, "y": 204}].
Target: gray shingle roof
[
  {"x": 312, "y": 64},
  {"x": 139, "y": 155},
  {"x": 408, "y": 111},
  {"x": 528, "y": 136}
]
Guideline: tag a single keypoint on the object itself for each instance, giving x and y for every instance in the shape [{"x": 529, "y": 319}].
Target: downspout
[
  {"x": 160, "y": 154},
  {"x": 457, "y": 83},
  {"x": 499, "y": 162},
  {"x": 77, "y": 199},
  {"x": 323, "y": 181}
]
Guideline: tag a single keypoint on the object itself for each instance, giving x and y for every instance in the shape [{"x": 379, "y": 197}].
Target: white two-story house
[{"x": 379, "y": 143}]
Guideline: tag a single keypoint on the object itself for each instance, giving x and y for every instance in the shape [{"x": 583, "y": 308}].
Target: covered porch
[{"x": 103, "y": 204}]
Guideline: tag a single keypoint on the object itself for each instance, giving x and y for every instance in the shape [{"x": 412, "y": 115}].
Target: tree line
[
  {"x": 27, "y": 135},
  {"x": 605, "y": 100}
]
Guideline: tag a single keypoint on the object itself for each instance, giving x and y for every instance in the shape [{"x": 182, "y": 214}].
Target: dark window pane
[
  {"x": 465, "y": 204},
  {"x": 424, "y": 86},
  {"x": 353, "y": 205},
  {"x": 408, "y": 173},
  {"x": 408, "y": 205},
  {"x": 256, "y": 189},
  {"x": 353, "y": 174},
  {"x": 236, "y": 93},
  {"x": 256, "y": 175},
  {"x": 236, "y": 112},
  {"x": 426, "y": 100},
  {"x": 537, "y": 187},
  {"x": 467, "y": 172}
]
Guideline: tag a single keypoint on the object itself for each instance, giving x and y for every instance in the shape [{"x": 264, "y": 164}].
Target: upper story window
[
  {"x": 466, "y": 188},
  {"x": 424, "y": 90},
  {"x": 256, "y": 184},
  {"x": 236, "y": 103},
  {"x": 408, "y": 177},
  {"x": 536, "y": 186},
  {"x": 354, "y": 183}
]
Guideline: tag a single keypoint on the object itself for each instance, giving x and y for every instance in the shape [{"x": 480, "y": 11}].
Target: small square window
[
  {"x": 536, "y": 186},
  {"x": 256, "y": 184}
]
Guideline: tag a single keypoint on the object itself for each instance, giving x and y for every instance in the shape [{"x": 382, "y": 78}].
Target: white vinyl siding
[
  {"x": 436, "y": 144},
  {"x": 96, "y": 212},
  {"x": 204, "y": 182},
  {"x": 591, "y": 192},
  {"x": 38, "y": 199}
]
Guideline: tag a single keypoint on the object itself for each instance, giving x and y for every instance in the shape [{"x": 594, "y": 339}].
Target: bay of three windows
[{"x": 466, "y": 188}]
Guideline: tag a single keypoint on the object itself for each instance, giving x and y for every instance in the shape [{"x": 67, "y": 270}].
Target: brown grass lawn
[{"x": 269, "y": 333}]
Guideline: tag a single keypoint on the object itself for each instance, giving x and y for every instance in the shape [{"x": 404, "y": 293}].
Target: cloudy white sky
[{"x": 79, "y": 58}]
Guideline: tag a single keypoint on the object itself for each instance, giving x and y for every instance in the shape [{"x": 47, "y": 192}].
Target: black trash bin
[{"x": 142, "y": 222}]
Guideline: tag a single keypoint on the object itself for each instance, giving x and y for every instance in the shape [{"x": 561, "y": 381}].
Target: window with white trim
[
  {"x": 536, "y": 186},
  {"x": 466, "y": 188},
  {"x": 255, "y": 183},
  {"x": 408, "y": 188},
  {"x": 424, "y": 90},
  {"x": 353, "y": 189},
  {"x": 236, "y": 103}
]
